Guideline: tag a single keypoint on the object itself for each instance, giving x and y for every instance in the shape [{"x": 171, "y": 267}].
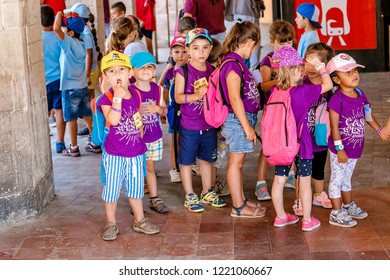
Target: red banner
[{"x": 346, "y": 25}]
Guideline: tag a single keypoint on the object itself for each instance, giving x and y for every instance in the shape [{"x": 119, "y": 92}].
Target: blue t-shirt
[
  {"x": 72, "y": 63},
  {"x": 90, "y": 44},
  {"x": 306, "y": 40},
  {"x": 51, "y": 56}
]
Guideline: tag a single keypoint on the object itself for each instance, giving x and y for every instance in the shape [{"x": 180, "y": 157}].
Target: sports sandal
[
  {"x": 238, "y": 210},
  {"x": 110, "y": 232},
  {"x": 258, "y": 205},
  {"x": 158, "y": 205},
  {"x": 145, "y": 226}
]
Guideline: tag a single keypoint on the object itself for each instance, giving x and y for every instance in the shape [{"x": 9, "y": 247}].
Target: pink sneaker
[
  {"x": 310, "y": 225},
  {"x": 297, "y": 207},
  {"x": 288, "y": 220},
  {"x": 322, "y": 200}
]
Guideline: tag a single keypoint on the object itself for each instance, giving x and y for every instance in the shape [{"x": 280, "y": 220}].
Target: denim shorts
[
  {"x": 304, "y": 167},
  {"x": 201, "y": 144},
  {"x": 76, "y": 104},
  {"x": 53, "y": 94},
  {"x": 235, "y": 136}
]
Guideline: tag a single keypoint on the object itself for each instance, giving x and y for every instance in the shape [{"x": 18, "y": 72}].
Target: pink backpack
[
  {"x": 279, "y": 130},
  {"x": 215, "y": 109}
]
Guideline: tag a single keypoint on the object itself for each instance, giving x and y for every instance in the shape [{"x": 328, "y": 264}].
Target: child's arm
[
  {"x": 57, "y": 25},
  {"x": 334, "y": 128},
  {"x": 113, "y": 113},
  {"x": 266, "y": 74},
  {"x": 88, "y": 64},
  {"x": 374, "y": 124},
  {"x": 152, "y": 108},
  {"x": 233, "y": 82},
  {"x": 327, "y": 83},
  {"x": 164, "y": 73},
  {"x": 181, "y": 97}
]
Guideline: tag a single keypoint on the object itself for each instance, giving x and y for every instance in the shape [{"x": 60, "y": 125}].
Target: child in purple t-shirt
[
  {"x": 348, "y": 109},
  {"x": 198, "y": 140},
  {"x": 312, "y": 77},
  {"x": 288, "y": 66},
  {"x": 153, "y": 106},
  {"x": 243, "y": 102},
  {"x": 281, "y": 33},
  {"x": 123, "y": 154}
]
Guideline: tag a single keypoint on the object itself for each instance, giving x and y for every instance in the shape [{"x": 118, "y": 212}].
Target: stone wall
[{"x": 26, "y": 172}]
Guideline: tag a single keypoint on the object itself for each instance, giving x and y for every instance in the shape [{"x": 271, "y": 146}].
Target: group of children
[{"x": 134, "y": 141}]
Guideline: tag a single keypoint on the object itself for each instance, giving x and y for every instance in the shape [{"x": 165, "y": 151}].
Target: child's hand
[
  {"x": 201, "y": 92},
  {"x": 119, "y": 91},
  {"x": 250, "y": 134},
  {"x": 384, "y": 135},
  {"x": 150, "y": 108},
  {"x": 313, "y": 60},
  {"x": 342, "y": 156}
]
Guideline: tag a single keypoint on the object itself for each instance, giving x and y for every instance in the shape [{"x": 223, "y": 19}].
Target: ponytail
[
  {"x": 120, "y": 30},
  {"x": 93, "y": 31}
]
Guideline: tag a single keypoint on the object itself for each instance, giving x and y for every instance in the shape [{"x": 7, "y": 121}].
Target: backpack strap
[
  {"x": 358, "y": 91},
  {"x": 110, "y": 96},
  {"x": 185, "y": 72}
]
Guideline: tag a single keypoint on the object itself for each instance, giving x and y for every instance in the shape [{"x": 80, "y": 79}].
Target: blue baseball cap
[
  {"x": 196, "y": 33},
  {"x": 141, "y": 59},
  {"x": 311, "y": 12},
  {"x": 81, "y": 9},
  {"x": 74, "y": 22}
]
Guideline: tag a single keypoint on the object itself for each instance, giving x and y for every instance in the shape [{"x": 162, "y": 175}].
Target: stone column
[{"x": 26, "y": 170}]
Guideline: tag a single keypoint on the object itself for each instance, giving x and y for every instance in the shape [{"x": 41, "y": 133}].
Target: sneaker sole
[
  {"x": 312, "y": 228},
  {"x": 176, "y": 181},
  {"x": 70, "y": 155},
  {"x": 92, "y": 150},
  {"x": 359, "y": 217},
  {"x": 263, "y": 198},
  {"x": 145, "y": 232},
  {"x": 341, "y": 225},
  {"x": 316, "y": 203},
  {"x": 194, "y": 211},
  {"x": 214, "y": 205},
  {"x": 286, "y": 224}
]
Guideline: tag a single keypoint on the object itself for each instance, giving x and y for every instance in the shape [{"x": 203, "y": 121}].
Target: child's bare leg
[
  {"x": 214, "y": 171},
  {"x": 206, "y": 175},
  {"x": 61, "y": 125},
  {"x": 110, "y": 208},
  {"x": 262, "y": 167},
  {"x": 137, "y": 207},
  {"x": 88, "y": 121},
  {"x": 346, "y": 197},
  {"x": 277, "y": 195},
  {"x": 73, "y": 132},
  {"x": 305, "y": 195},
  {"x": 186, "y": 178},
  {"x": 151, "y": 178}
]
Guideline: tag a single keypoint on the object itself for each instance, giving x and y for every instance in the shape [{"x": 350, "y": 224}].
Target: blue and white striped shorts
[{"x": 128, "y": 172}]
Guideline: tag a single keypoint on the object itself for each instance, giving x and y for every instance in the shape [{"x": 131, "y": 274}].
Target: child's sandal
[
  {"x": 238, "y": 214},
  {"x": 110, "y": 232}
]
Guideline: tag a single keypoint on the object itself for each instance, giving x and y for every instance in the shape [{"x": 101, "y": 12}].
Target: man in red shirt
[
  {"x": 145, "y": 12},
  {"x": 56, "y": 5}
]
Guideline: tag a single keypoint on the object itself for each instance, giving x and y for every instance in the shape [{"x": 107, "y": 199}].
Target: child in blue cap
[
  {"x": 307, "y": 19},
  {"x": 74, "y": 85}
]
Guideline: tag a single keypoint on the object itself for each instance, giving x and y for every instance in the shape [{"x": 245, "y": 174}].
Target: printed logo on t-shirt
[
  {"x": 253, "y": 95},
  {"x": 127, "y": 130},
  {"x": 353, "y": 129}
]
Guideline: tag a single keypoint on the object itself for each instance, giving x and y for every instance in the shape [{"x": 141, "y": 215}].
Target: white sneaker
[{"x": 174, "y": 175}]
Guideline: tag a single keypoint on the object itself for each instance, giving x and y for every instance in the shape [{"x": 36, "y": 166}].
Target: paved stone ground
[{"x": 70, "y": 227}]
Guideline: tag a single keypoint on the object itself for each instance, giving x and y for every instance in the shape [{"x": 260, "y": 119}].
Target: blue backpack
[{"x": 173, "y": 115}]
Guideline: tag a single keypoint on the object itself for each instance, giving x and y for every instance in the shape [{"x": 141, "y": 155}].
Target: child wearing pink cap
[
  {"x": 348, "y": 109},
  {"x": 288, "y": 65}
]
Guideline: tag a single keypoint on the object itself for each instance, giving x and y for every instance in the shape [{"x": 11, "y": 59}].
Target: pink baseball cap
[
  {"x": 286, "y": 56},
  {"x": 178, "y": 41},
  {"x": 343, "y": 63}
]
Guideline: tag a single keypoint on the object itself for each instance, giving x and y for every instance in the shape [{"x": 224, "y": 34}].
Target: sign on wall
[{"x": 346, "y": 24}]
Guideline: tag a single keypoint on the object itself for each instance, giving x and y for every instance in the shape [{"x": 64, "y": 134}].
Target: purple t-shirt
[
  {"x": 312, "y": 118},
  {"x": 251, "y": 98},
  {"x": 207, "y": 16},
  {"x": 302, "y": 98},
  {"x": 124, "y": 139},
  {"x": 152, "y": 124},
  {"x": 266, "y": 60},
  {"x": 169, "y": 77},
  {"x": 192, "y": 113},
  {"x": 351, "y": 124}
]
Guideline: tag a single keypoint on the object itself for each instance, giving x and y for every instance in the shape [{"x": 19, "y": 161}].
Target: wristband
[
  {"x": 186, "y": 99},
  {"x": 116, "y": 110},
  {"x": 324, "y": 73},
  {"x": 117, "y": 100},
  {"x": 337, "y": 142},
  {"x": 319, "y": 66},
  {"x": 339, "y": 147},
  {"x": 378, "y": 131}
]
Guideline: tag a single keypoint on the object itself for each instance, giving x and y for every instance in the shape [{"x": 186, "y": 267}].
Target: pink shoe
[
  {"x": 310, "y": 225},
  {"x": 322, "y": 200},
  {"x": 288, "y": 220},
  {"x": 297, "y": 207}
]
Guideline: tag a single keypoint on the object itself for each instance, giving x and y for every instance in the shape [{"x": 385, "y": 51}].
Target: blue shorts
[
  {"x": 235, "y": 136},
  {"x": 119, "y": 171},
  {"x": 76, "y": 104},
  {"x": 53, "y": 94},
  {"x": 304, "y": 167},
  {"x": 201, "y": 144}
]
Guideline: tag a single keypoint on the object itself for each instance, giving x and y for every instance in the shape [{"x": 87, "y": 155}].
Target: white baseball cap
[{"x": 343, "y": 63}]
